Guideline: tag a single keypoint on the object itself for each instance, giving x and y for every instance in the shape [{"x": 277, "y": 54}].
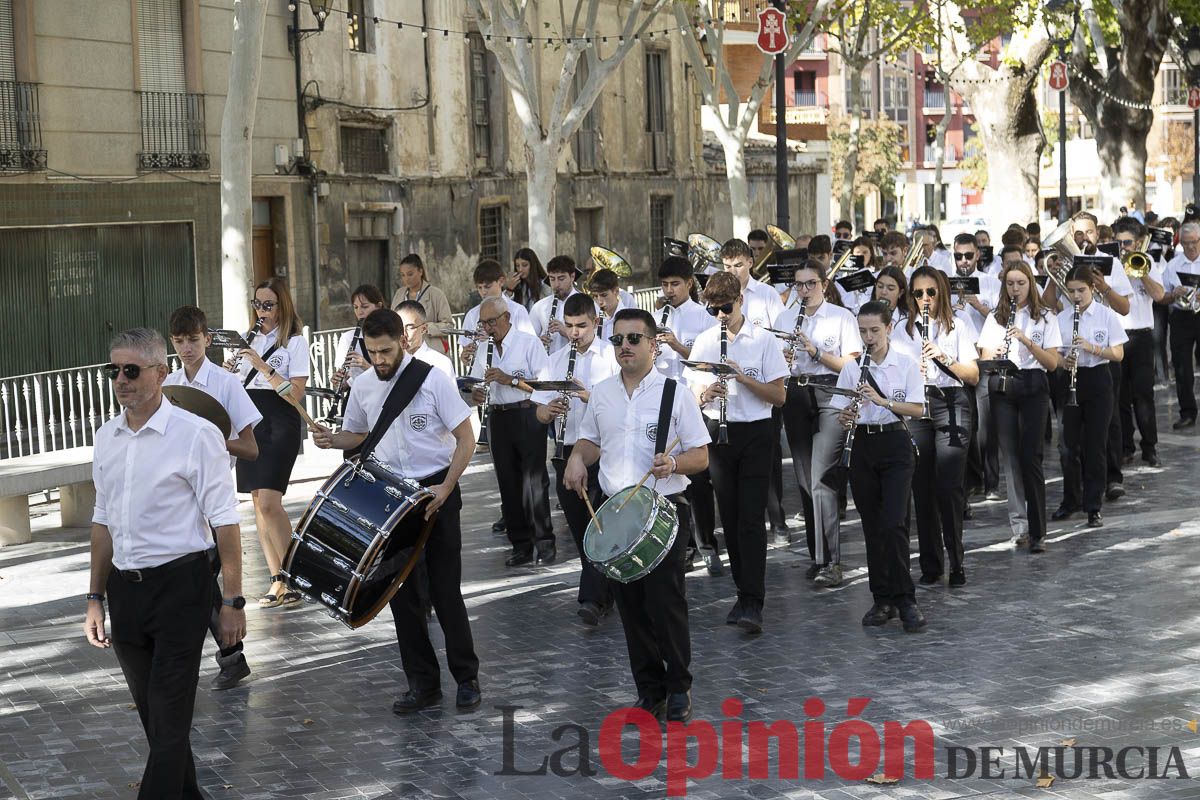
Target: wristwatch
[
  {"x": 514, "y": 382},
  {"x": 236, "y": 603}
]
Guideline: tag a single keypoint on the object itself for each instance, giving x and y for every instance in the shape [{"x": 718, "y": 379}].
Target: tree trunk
[
  {"x": 541, "y": 184},
  {"x": 734, "y": 147},
  {"x": 1121, "y": 145},
  {"x": 850, "y": 167},
  {"x": 237, "y": 134}
]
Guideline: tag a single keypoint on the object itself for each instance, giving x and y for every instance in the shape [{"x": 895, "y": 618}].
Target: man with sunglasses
[
  {"x": 620, "y": 430},
  {"x": 163, "y": 484},
  {"x": 739, "y": 471},
  {"x": 516, "y": 439}
]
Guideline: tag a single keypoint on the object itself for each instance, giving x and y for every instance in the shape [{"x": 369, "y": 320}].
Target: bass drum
[{"x": 358, "y": 541}]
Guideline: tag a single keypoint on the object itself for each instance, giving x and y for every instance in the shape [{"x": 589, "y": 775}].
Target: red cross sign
[
  {"x": 1058, "y": 76},
  {"x": 772, "y": 31}
]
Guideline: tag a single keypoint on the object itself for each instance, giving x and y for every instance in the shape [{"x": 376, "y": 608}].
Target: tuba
[
  {"x": 603, "y": 258},
  {"x": 703, "y": 252},
  {"x": 780, "y": 240},
  {"x": 914, "y": 258},
  {"x": 1062, "y": 242}
]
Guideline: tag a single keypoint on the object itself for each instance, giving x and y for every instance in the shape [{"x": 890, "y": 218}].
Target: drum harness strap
[
  {"x": 664, "y": 419},
  {"x": 406, "y": 388}
]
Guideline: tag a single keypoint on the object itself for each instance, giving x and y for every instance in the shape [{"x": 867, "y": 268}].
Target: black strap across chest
[
  {"x": 265, "y": 356},
  {"x": 664, "y": 416}
]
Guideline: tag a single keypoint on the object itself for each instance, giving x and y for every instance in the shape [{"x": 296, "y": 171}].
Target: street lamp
[
  {"x": 1191, "y": 54},
  {"x": 320, "y": 10}
]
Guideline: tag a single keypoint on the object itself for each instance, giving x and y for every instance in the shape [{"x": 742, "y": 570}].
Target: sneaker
[
  {"x": 829, "y": 576},
  {"x": 813, "y": 570},
  {"x": 1115, "y": 491},
  {"x": 992, "y": 494}
]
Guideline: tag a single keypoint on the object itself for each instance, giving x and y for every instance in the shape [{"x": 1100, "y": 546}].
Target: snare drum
[
  {"x": 629, "y": 544},
  {"x": 358, "y": 540}
]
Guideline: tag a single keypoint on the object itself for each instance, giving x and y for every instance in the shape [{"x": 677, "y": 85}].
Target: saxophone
[
  {"x": 1002, "y": 382},
  {"x": 1072, "y": 399},
  {"x": 855, "y": 408},
  {"x": 723, "y": 426},
  {"x": 560, "y": 434},
  {"x": 925, "y": 412}
]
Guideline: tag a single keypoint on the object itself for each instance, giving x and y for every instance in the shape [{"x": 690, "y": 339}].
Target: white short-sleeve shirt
[
  {"x": 957, "y": 343},
  {"x": 540, "y": 316},
  {"x": 1043, "y": 331},
  {"x": 593, "y": 365},
  {"x": 898, "y": 378},
  {"x": 1098, "y": 324},
  {"x": 687, "y": 321},
  {"x": 760, "y": 304},
  {"x": 290, "y": 361},
  {"x": 226, "y": 389},
  {"x": 520, "y": 354},
  {"x": 831, "y": 328},
  {"x": 759, "y": 355},
  {"x": 439, "y": 361}
]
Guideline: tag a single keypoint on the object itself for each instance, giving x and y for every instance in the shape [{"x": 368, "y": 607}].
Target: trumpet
[
  {"x": 840, "y": 264},
  {"x": 237, "y": 360},
  {"x": 1072, "y": 399},
  {"x": 914, "y": 257},
  {"x": 560, "y": 434},
  {"x": 1137, "y": 262}
]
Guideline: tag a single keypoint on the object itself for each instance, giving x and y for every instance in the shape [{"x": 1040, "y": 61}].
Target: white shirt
[
  {"x": 942, "y": 259},
  {"x": 343, "y": 349},
  {"x": 1098, "y": 324},
  {"x": 989, "y": 291},
  {"x": 1141, "y": 305},
  {"x": 604, "y": 328},
  {"x": 687, "y": 321},
  {"x": 518, "y": 317},
  {"x": 1178, "y": 264},
  {"x": 1043, "y": 332},
  {"x": 958, "y": 343},
  {"x": 438, "y": 360},
  {"x": 898, "y": 378},
  {"x": 521, "y": 355},
  {"x": 1120, "y": 284},
  {"x": 420, "y": 442},
  {"x": 625, "y": 428},
  {"x": 158, "y": 490},
  {"x": 540, "y": 315},
  {"x": 760, "y": 304},
  {"x": 226, "y": 389},
  {"x": 593, "y": 365},
  {"x": 831, "y": 328},
  {"x": 759, "y": 355},
  {"x": 290, "y": 361}
]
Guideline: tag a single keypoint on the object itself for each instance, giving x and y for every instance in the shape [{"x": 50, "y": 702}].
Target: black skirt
[{"x": 278, "y": 438}]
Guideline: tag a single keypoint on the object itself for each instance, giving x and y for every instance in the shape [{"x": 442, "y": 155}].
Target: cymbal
[
  {"x": 201, "y": 404},
  {"x": 715, "y": 367}
]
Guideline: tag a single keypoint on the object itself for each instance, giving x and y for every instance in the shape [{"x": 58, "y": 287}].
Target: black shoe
[
  {"x": 927, "y": 580},
  {"x": 1037, "y": 545},
  {"x": 1115, "y": 491},
  {"x": 679, "y": 706},
  {"x": 958, "y": 578},
  {"x": 779, "y": 532},
  {"x": 1095, "y": 520},
  {"x": 413, "y": 700},
  {"x": 712, "y": 560},
  {"x": 751, "y": 619},
  {"x": 812, "y": 570},
  {"x": 879, "y": 614},
  {"x": 1184, "y": 422},
  {"x": 689, "y": 560},
  {"x": 656, "y": 708},
  {"x": 519, "y": 558},
  {"x": 469, "y": 695},
  {"x": 233, "y": 669},
  {"x": 591, "y": 613},
  {"x": 735, "y": 613},
  {"x": 992, "y": 494},
  {"x": 1152, "y": 460},
  {"x": 1127, "y": 460},
  {"x": 968, "y": 512},
  {"x": 498, "y": 526},
  {"x": 547, "y": 553},
  {"x": 1064, "y": 512},
  {"x": 911, "y": 617}
]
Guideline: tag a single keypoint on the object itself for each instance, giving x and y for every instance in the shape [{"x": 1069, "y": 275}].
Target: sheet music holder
[
  {"x": 964, "y": 285},
  {"x": 1101, "y": 263},
  {"x": 987, "y": 252},
  {"x": 227, "y": 338},
  {"x": 781, "y": 273},
  {"x": 840, "y": 246},
  {"x": 1112, "y": 248},
  {"x": 856, "y": 281},
  {"x": 1164, "y": 237},
  {"x": 1189, "y": 279},
  {"x": 714, "y": 367}
]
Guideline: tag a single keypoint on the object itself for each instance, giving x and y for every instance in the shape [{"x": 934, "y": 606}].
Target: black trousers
[
  {"x": 1083, "y": 444},
  {"x": 983, "y": 458},
  {"x": 158, "y": 630},
  {"x": 1112, "y": 450},
  {"x": 703, "y": 512},
  {"x": 1137, "y": 393},
  {"x": 775, "y": 513},
  {"x": 740, "y": 474},
  {"x": 1185, "y": 347},
  {"x": 1161, "y": 316},
  {"x": 1019, "y": 416},
  {"x": 939, "y": 491},
  {"x": 214, "y": 620},
  {"x": 593, "y": 585},
  {"x": 443, "y": 564},
  {"x": 654, "y": 614},
  {"x": 518, "y": 446},
  {"x": 881, "y": 473}
]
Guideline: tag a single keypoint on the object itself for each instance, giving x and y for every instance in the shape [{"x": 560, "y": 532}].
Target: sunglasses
[
  {"x": 963, "y": 256},
  {"x": 132, "y": 371},
  {"x": 635, "y": 339},
  {"x": 1127, "y": 242},
  {"x": 919, "y": 293},
  {"x": 725, "y": 309},
  {"x": 263, "y": 305}
]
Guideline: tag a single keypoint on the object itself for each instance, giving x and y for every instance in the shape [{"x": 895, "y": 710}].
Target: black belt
[
  {"x": 814, "y": 380},
  {"x": 1139, "y": 330},
  {"x": 510, "y": 406},
  {"x": 146, "y": 573},
  {"x": 884, "y": 428}
]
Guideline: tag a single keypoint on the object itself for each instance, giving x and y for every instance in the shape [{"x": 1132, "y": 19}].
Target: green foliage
[
  {"x": 879, "y": 154},
  {"x": 974, "y": 163}
]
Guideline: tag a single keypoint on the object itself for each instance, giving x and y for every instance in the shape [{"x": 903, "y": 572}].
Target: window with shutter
[
  {"x": 481, "y": 103},
  {"x": 656, "y": 113},
  {"x": 493, "y": 239},
  {"x": 8, "y": 69},
  {"x": 20, "y": 125},
  {"x": 173, "y": 127},
  {"x": 587, "y": 138}
]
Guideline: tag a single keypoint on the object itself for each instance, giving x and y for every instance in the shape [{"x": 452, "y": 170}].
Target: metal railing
[
  {"x": 810, "y": 98},
  {"x": 20, "y": 128},
  {"x": 173, "y": 131},
  {"x": 45, "y": 412},
  {"x": 934, "y": 98}
]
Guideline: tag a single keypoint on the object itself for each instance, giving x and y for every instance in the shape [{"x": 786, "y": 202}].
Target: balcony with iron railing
[
  {"x": 810, "y": 98},
  {"x": 934, "y": 100},
  {"x": 20, "y": 128},
  {"x": 173, "y": 131}
]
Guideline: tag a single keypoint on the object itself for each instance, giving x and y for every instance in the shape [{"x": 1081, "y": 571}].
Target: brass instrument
[
  {"x": 1062, "y": 242},
  {"x": 723, "y": 425},
  {"x": 560, "y": 434},
  {"x": 237, "y": 360},
  {"x": 482, "y": 444},
  {"x": 842, "y": 261},
  {"x": 1137, "y": 262},
  {"x": 855, "y": 407},
  {"x": 925, "y": 411},
  {"x": 604, "y": 258},
  {"x": 1072, "y": 399},
  {"x": 914, "y": 257},
  {"x": 703, "y": 252},
  {"x": 780, "y": 240}
]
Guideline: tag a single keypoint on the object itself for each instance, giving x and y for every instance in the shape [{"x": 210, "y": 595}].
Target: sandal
[
  {"x": 289, "y": 598},
  {"x": 270, "y": 599}
]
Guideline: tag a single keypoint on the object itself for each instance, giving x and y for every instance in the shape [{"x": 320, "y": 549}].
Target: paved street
[{"x": 1096, "y": 640}]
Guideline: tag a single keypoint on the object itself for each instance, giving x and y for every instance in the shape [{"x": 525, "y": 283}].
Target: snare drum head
[{"x": 618, "y": 530}]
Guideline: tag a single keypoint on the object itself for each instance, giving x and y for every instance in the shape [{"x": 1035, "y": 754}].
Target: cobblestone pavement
[{"x": 1096, "y": 640}]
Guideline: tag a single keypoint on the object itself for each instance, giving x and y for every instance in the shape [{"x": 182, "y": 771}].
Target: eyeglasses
[
  {"x": 1127, "y": 242},
  {"x": 132, "y": 371},
  {"x": 725, "y": 309},
  {"x": 919, "y": 293},
  {"x": 493, "y": 320},
  {"x": 635, "y": 339},
  {"x": 807, "y": 285},
  {"x": 263, "y": 305},
  {"x": 963, "y": 256},
  {"x": 413, "y": 326}
]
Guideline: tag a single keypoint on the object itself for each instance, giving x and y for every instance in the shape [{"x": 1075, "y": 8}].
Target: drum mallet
[{"x": 645, "y": 477}]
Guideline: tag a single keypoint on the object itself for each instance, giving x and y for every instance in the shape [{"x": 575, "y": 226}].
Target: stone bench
[{"x": 69, "y": 471}]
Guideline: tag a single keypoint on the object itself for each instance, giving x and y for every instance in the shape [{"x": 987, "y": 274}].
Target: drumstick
[
  {"x": 645, "y": 477},
  {"x": 592, "y": 511}
]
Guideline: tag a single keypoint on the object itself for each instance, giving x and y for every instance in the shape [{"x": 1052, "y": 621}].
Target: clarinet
[
  {"x": 925, "y": 413},
  {"x": 1002, "y": 383},
  {"x": 1072, "y": 400},
  {"x": 553, "y": 313},
  {"x": 796, "y": 330},
  {"x": 723, "y": 426},
  {"x": 487, "y": 364},
  {"x": 344, "y": 370},
  {"x": 237, "y": 360},
  {"x": 560, "y": 435},
  {"x": 662, "y": 323},
  {"x": 855, "y": 408}
]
